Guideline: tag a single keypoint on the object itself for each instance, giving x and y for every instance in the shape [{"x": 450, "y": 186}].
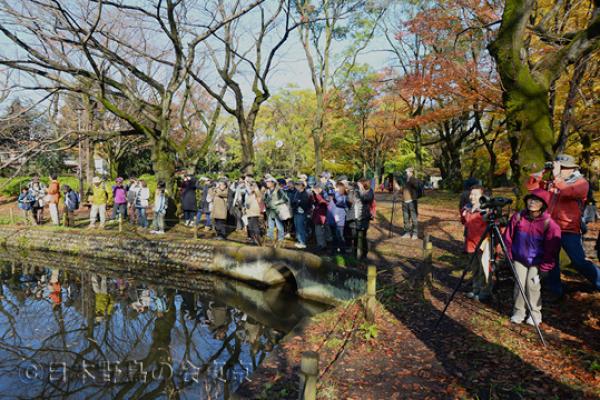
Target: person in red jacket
[
  {"x": 475, "y": 226},
  {"x": 568, "y": 190}
]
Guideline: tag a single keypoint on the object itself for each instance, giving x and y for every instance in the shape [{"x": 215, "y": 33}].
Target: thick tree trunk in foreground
[{"x": 527, "y": 84}]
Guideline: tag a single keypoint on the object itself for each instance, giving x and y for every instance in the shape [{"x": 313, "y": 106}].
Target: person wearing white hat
[
  {"x": 569, "y": 190},
  {"x": 99, "y": 200}
]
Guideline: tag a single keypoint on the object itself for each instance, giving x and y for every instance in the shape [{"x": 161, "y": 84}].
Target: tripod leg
[
  {"x": 496, "y": 231},
  {"x": 462, "y": 278}
]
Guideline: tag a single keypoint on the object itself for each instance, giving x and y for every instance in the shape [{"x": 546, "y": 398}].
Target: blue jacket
[
  {"x": 26, "y": 201},
  {"x": 336, "y": 211}
]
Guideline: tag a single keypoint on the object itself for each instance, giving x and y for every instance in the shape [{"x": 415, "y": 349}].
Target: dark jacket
[
  {"x": 301, "y": 202},
  {"x": 204, "y": 205},
  {"x": 188, "y": 195}
]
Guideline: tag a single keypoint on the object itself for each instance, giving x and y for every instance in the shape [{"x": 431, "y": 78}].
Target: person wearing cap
[
  {"x": 119, "y": 199},
  {"x": 38, "y": 191},
  {"x": 359, "y": 217},
  {"x": 410, "y": 213},
  {"x": 188, "y": 199},
  {"x": 206, "y": 203},
  {"x": 142, "y": 201},
  {"x": 276, "y": 210},
  {"x": 253, "y": 205},
  {"x": 336, "y": 216},
  {"x": 474, "y": 228},
  {"x": 71, "y": 204},
  {"x": 568, "y": 189},
  {"x": 54, "y": 199},
  {"x": 132, "y": 188},
  {"x": 219, "y": 212},
  {"x": 99, "y": 200},
  {"x": 533, "y": 242},
  {"x": 160, "y": 209},
  {"x": 301, "y": 207}
]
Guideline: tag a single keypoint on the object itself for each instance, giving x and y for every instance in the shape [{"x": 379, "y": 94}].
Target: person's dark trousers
[
  {"x": 188, "y": 215},
  {"x": 300, "y": 225},
  {"x": 362, "y": 244},
  {"x": 221, "y": 227},
  {"x": 351, "y": 235},
  {"x": 573, "y": 246},
  {"x": 69, "y": 217},
  {"x": 120, "y": 209},
  {"x": 349, "y": 228},
  {"x": 410, "y": 217},
  {"x": 338, "y": 239},
  {"x": 254, "y": 230}
]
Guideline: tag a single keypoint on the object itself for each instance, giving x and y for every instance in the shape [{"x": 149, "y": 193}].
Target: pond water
[{"x": 73, "y": 331}]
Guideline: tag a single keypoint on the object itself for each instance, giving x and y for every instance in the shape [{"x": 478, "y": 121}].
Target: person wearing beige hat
[
  {"x": 569, "y": 189},
  {"x": 99, "y": 201}
]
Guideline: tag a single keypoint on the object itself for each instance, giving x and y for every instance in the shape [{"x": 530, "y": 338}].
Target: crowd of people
[
  {"x": 333, "y": 214},
  {"x": 553, "y": 218}
]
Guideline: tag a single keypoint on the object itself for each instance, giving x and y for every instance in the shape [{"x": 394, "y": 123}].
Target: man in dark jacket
[
  {"x": 410, "y": 214},
  {"x": 301, "y": 203},
  {"x": 188, "y": 199},
  {"x": 359, "y": 216}
]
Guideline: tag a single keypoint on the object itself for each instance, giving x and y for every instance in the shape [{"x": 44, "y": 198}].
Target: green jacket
[{"x": 99, "y": 195}]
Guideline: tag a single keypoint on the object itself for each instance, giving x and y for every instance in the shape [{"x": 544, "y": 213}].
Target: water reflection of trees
[{"x": 49, "y": 316}]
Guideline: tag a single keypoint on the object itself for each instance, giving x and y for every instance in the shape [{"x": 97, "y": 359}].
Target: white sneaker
[
  {"x": 160, "y": 232},
  {"x": 414, "y": 236},
  {"x": 153, "y": 232},
  {"x": 516, "y": 319},
  {"x": 300, "y": 246},
  {"x": 529, "y": 321},
  {"x": 405, "y": 236}
]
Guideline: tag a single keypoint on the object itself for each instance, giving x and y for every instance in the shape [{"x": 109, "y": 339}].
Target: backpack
[
  {"x": 73, "y": 196},
  {"x": 373, "y": 209}
]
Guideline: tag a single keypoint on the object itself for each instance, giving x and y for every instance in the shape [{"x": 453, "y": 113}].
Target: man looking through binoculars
[{"x": 568, "y": 190}]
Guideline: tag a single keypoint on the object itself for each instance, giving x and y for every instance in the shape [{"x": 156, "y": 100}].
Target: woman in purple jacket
[
  {"x": 336, "y": 216},
  {"x": 533, "y": 242}
]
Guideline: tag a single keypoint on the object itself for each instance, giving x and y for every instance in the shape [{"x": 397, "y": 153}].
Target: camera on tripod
[{"x": 494, "y": 202}]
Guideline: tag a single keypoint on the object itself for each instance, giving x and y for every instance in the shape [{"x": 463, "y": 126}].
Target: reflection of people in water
[
  {"x": 104, "y": 301},
  {"x": 188, "y": 306},
  {"x": 54, "y": 288},
  {"x": 150, "y": 299},
  {"x": 218, "y": 319}
]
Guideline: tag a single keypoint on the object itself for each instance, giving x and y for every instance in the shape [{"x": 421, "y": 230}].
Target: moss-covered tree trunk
[
  {"x": 529, "y": 124},
  {"x": 526, "y": 82}
]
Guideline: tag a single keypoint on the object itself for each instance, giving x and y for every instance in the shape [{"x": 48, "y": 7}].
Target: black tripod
[{"x": 495, "y": 237}]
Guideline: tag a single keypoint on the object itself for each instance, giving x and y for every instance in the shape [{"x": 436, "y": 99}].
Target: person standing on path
[
  {"x": 99, "y": 201},
  {"x": 119, "y": 199},
  {"x": 410, "y": 213},
  {"x": 54, "y": 199},
  {"x": 532, "y": 239},
  {"x": 568, "y": 190}
]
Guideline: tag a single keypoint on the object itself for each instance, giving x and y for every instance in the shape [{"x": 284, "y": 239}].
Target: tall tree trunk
[
  {"x": 246, "y": 127},
  {"x": 526, "y": 83},
  {"x": 586, "y": 154},
  {"x": 317, "y": 131},
  {"x": 567, "y": 115},
  {"x": 418, "y": 149}
]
